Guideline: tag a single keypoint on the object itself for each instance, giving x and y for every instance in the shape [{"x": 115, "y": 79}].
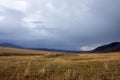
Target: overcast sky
[{"x": 60, "y": 24}]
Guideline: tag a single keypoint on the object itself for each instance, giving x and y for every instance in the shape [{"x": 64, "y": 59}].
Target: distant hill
[
  {"x": 56, "y": 50},
  {"x": 9, "y": 45},
  {"x": 113, "y": 47}
]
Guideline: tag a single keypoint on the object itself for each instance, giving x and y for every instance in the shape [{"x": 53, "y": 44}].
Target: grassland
[{"x": 58, "y": 66}]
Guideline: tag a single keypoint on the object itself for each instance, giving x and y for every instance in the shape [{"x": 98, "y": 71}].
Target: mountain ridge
[
  {"x": 10, "y": 45},
  {"x": 112, "y": 47}
]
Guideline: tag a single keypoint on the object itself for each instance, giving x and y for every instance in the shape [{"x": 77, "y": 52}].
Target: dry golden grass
[
  {"x": 59, "y": 66},
  {"x": 13, "y": 51}
]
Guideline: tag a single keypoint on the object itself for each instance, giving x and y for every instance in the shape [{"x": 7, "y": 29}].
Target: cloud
[
  {"x": 20, "y": 5},
  {"x": 88, "y": 48},
  {"x": 60, "y": 24},
  {"x": 1, "y": 18}
]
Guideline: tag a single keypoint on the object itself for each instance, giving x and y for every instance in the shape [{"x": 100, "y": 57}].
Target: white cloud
[
  {"x": 2, "y": 18},
  {"x": 88, "y": 48},
  {"x": 50, "y": 6},
  {"x": 20, "y": 5}
]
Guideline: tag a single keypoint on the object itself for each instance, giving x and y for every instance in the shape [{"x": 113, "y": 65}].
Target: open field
[
  {"x": 58, "y": 66},
  {"x": 5, "y": 51}
]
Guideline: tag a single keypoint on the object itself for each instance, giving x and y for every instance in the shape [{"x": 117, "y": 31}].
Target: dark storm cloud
[
  {"x": 11, "y": 27},
  {"x": 75, "y": 25}
]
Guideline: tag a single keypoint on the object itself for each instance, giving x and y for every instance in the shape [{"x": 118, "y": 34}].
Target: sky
[{"x": 60, "y": 24}]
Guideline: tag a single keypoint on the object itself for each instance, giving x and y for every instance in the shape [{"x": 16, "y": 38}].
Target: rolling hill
[
  {"x": 113, "y": 47},
  {"x": 10, "y": 45}
]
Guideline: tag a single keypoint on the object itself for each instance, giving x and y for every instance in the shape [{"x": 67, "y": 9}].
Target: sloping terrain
[
  {"x": 10, "y": 45},
  {"x": 6, "y": 51},
  {"x": 55, "y": 66},
  {"x": 113, "y": 47}
]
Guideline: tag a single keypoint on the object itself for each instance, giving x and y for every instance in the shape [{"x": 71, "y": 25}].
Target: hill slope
[
  {"x": 9, "y": 45},
  {"x": 113, "y": 47},
  {"x": 7, "y": 51}
]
